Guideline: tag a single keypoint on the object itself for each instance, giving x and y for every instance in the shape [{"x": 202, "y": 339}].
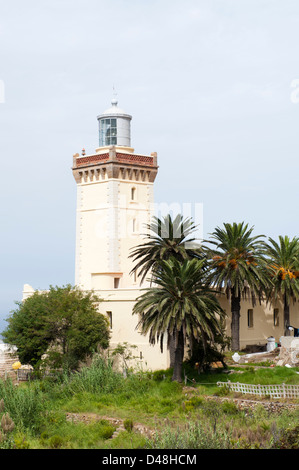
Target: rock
[{"x": 289, "y": 351}]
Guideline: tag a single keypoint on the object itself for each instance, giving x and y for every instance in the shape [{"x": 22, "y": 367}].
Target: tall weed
[
  {"x": 192, "y": 436},
  {"x": 99, "y": 377},
  {"x": 24, "y": 404}
]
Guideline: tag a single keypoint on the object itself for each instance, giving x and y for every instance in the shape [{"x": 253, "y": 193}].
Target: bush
[
  {"x": 20, "y": 442},
  {"x": 192, "y": 404},
  {"x": 159, "y": 375},
  {"x": 222, "y": 391},
  {"x": 56, "y": 442},
  {"x": 289, "y": 439},
  {"x": 106, "y": 431},
  {"x": 24, "y": 405},
  {"x": 229, "y": 408},
  {"x": 98, "y": 377},
  {"x": 192, "y": 436},
  {"x": 128, "y": 424}
]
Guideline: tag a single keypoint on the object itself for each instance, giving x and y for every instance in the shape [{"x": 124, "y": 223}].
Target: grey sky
[{"x": 208, "y": 84}]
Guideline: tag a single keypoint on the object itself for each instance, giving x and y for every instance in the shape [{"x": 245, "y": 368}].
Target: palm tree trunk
[
  {"x": 286, "y": 316},
  {"x": 178, "y": 358},
  {"x": 235, "y": 324},
  {"x": 171, "y": 347}
]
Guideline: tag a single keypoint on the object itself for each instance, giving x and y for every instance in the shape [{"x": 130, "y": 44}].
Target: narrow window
[
  {"x": 116, "y": 282},
  {"x": 250, "y": 318},
  {"x": 109, "y": 315},
  {"x": 133, "y": 194},
  {"x": 141, "y": 357},
  {"x": 276, "y": 317},
  {"x": 134, "y": 225}
]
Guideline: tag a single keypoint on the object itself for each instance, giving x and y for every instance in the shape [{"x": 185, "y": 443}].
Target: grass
[
  {"x": 72, "y": 435},
  {"x": 179, "y": 417}
]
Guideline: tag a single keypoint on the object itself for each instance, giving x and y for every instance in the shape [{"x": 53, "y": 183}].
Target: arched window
[{"x": 133, "y": 194}]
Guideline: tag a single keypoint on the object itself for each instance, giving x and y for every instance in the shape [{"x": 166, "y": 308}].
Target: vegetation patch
[{"x": 73, "y": 413}]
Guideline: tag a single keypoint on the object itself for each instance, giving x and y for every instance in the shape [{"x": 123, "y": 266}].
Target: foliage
[
  {"x": 266, "y": 376},
  {"x": 202, "y": 355},
  {"x": 288, "y": 439},
  {"x": 6, "y": 427},
  {"x": 180, "y": 306},
  {"x": 183, "y": 417},
  {"x": 170, "y": 255},
  {"x": 236, "y": 265},
  {"x": 128, "y": 424},
  {"x": 25, "y": 405},
  {"x": 63, "y": 322},
  {"x": 166, "y": 238},
  {"x": 236, "y": 259},
  {"x": 65, "y": 434},
  {"x": 283, "y": 269},
  {"x": 125, "y": 353},
  {"x": 192, "y": 436},
  {"x": 99, "y": 376}
]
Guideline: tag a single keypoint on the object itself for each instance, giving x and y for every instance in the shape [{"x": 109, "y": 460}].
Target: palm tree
[
  {"x": 235, "y": 265},
  {"x": 283, "y": 268},
  {"x": 179, "y": 306},
  {"x": 165, "y": 238}
]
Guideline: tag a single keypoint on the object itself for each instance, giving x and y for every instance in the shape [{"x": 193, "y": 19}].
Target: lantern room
[{"x": 114, "y": 127}]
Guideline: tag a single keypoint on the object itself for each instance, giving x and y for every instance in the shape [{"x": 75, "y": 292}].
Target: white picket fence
[{"x": 274, "y": 391}]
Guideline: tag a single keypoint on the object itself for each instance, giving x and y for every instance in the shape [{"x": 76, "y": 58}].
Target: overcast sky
[{"x": 211, "y": 86}]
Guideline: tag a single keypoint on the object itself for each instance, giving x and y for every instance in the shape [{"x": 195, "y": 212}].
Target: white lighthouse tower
[{"x": 115, "y": 196}]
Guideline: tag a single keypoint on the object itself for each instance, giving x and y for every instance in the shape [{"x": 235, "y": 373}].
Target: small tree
[
  {"x": 63, "y": 323},
  {"x": 125, "y": 353}
]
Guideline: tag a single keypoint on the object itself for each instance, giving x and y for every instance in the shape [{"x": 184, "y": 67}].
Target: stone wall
[{"x": 288, "y": 352}]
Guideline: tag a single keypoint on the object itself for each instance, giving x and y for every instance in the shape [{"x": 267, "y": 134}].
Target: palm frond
[
  {"x": 165, "y": 238},
  {"x": 180, "y": 302}
]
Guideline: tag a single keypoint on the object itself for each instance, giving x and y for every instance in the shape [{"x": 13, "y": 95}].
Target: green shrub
[
  {"x": 193, "y": 403},
  {"x": 289, "y": 439},
  {"x": 159, "y": 375},
  {"x": 56, "y": 442},
  {"x": 222, "y": 391},
  {"x": 105, "y": 430},
  {"x": 128, "y": 424},
  {"x": 192, "y": 436},
  {"x": 20, "y": 442},
  {"x": 24, "y": 404},
  {"x": 99, "y": 377},
  {"x": 229, "y": 408}
]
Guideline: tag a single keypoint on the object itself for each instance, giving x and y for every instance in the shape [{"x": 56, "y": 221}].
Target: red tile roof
[{"x": 120, "y": 157}]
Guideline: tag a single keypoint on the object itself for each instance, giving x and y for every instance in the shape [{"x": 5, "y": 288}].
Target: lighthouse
[
  {"x": 115, "y": 199},
  {"x": 115, "y": 196}
]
